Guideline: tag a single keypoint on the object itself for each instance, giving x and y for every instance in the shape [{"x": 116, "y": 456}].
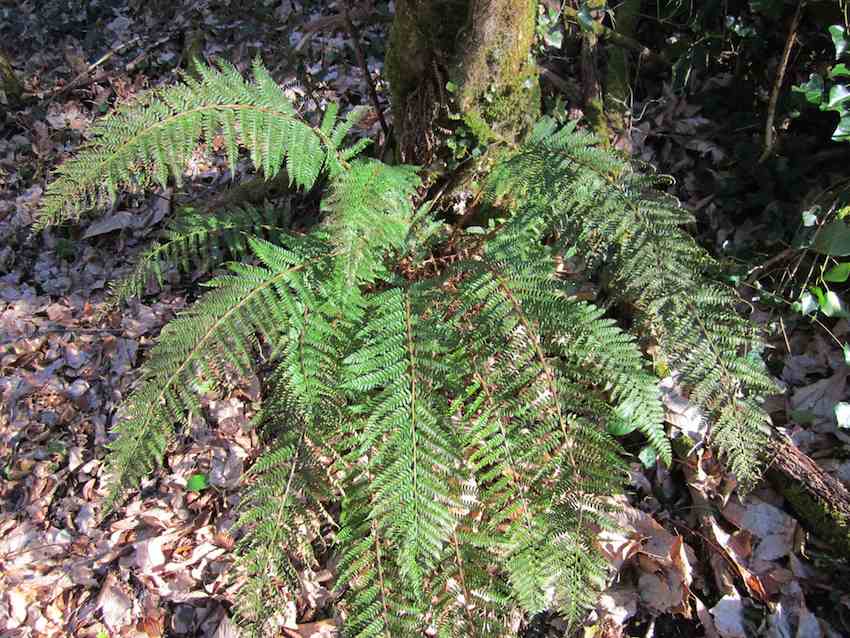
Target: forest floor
[{"x": 693, "y": 558}]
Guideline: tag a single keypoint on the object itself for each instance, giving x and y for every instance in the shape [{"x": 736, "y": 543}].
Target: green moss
[
  {"x": 10, "y": 86},
  {"x": 421, "y": 35},
  {"x": 500, "y": 93},
  {"x": 478, "y": 125},
  {"x": 483, "y": 48},
  {"x": 618, "y": 68},
  {"x": 831, "y": 526}
]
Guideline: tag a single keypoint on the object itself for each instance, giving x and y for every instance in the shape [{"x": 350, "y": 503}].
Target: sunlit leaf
[
  {"x": 648, "y": 456},
  {"x": 839, "y": 71},
  {"x": 838, "y": 274},
  {"x": 811, "y": 90},
  {"x": 197, "y": 483},
  {"x": 838, "y": 39},
  {"x": 842, "y": 414},
  {"x": 838, "y": 94}
]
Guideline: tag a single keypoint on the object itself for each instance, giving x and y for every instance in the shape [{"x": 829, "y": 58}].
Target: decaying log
[{"x": 821, "y": 501}]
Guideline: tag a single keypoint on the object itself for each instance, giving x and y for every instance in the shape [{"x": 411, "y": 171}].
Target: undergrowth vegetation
[{"x": 454, "y": 425}]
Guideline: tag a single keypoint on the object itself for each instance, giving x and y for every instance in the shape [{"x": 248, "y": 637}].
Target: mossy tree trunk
[
  {"x": 463, "y": 63},
  {"x": 10, "y": 86},
  {"x": 619, "y": 70}
]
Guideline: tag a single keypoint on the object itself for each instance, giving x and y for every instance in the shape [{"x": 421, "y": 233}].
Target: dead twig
[
  {"x": 354, "y": 36},
  {"x": 769, "y": 140},
  {"x": 336, "y": 23},
  {"x": 85, "y": 79},
  {"x": 644, "y": 53}
]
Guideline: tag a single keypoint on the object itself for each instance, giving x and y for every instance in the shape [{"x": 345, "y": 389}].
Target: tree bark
[
  {"x": 461, "y": 63},
  {"x": 619, "y": 69},
  {"x": 821, "y": 501}
]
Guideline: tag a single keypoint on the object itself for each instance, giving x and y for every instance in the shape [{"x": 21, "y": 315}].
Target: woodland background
[{"x": 701, "y": 91}]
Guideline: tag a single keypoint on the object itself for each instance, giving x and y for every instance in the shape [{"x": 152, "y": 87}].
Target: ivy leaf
[
  {"x": 838, "y": 274},
  {"x": 585, "y": 20},
  {"x": 624, "y": 420},
  {"x": 809, "y": 218},
  {"x": 811, "y": 90},
  {"x": 835, "y": 306},
  {"x": 554, "y": 37},
  {"x": 833, "y": 239},
  {"x": 830, "y": 303},
  {"x": 648, "y": 456},
  {"x": 806, "y": 305},
  {"x": 842, "y": 414},
  {"x": 838, "y": 39},
  {"x": 839, "y": 71},
  {"x": 838, "y": 94},
  {"x": 842, "y": 131},
  {"x": 197, "y": 483}
]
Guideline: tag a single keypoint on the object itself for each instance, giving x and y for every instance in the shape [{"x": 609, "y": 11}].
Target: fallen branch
[
  {"x": 821, "y": 501},
  {"x": 354, "y": 36},
  {"x": 336, "y": 23}
]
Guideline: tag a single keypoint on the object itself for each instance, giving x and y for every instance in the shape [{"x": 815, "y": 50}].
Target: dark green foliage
[
  {"x": 460, "y": 421},
  {"x": 595, "y": 201},
  {"x": 197, "y": 240}
]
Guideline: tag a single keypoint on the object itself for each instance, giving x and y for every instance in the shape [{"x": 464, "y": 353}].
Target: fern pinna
[{"x": 458, "y": 424}]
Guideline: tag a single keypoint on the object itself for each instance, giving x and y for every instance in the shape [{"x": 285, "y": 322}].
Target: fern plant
[{"x": 459, "y": 415}]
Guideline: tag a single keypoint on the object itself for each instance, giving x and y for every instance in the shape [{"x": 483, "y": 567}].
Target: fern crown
[{"x": 461, "y": 416}]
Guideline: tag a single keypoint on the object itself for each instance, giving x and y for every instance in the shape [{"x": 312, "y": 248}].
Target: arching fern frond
[
  {"x": 197, "y": 240},
  {"x": 153, "y": 138},
  {"x": 222, "y": 328},
  {"x": 596, "y": 201}
]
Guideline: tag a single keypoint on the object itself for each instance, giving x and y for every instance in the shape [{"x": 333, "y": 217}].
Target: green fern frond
[
  {"x": 452, "y": 397},
  {"x": 222, "y": 327},
  {"x": 194, "y": 240},
  {"x": 382, "y": 605},
  {"x": 405, "y": 433},
  {"x": 154, "y": 138},
  {"x": 469, "y": 597},
  {"x": 282, "y": 509},
  {"x": 369, "y": 215},
  {"x": 524, "y": 416},
  {"x": 594, "y": 200}
]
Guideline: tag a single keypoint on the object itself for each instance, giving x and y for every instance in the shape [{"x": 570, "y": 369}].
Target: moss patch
[{"x": 499, "y": 88}]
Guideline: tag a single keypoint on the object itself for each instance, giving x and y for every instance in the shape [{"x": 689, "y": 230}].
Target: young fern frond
[
  {"x": 152, "y": 139},
  {"x": 196, "y": 240},
  {"x": 369, "y": 216}
]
